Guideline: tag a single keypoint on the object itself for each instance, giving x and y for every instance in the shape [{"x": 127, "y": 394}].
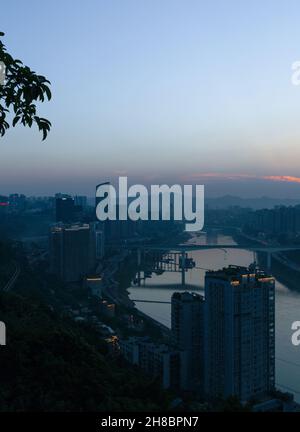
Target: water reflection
[{"x": 161, "y": 288}]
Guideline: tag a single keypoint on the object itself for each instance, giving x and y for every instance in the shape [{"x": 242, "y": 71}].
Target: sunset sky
[{"x": 161, "y": 91}]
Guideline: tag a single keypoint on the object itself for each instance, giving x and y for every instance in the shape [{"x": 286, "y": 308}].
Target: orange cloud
[
  {"x": 228, "y": 176},
  {"x": 290, "y": 179}
]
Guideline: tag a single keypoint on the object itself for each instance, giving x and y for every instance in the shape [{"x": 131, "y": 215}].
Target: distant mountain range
[
  {"x": 231, "y": 200},
  {"x": 254, "y": 203}
]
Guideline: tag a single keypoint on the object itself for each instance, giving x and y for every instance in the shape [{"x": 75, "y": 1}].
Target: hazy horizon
[{"x": 285, "y": 192}]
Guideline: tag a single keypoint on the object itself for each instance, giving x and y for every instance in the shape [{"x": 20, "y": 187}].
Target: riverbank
[
  {"x": 281, "y": 271},
  {"x": 122, "y": 271}
]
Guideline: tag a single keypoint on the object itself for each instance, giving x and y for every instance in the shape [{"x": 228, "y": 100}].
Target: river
[{"x": 161, "y": 288}]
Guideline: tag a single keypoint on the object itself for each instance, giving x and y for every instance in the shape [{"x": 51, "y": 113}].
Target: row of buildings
[
  {"x": 77, "y": 247},
  {"x": 70, "y": 209},
  {"x": 222, "y": 344},
  {"x": 13, "y": 202},
  {"x": 280, "y": 219}
]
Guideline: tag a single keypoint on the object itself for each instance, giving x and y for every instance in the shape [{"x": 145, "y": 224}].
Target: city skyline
[{"x": 236, "y": 185}]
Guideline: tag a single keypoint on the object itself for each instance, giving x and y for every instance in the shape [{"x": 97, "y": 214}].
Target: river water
[{"x": 161, "y": 288}]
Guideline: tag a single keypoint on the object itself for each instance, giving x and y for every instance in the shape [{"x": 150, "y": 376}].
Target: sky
[{"x": 172, "y": 91}]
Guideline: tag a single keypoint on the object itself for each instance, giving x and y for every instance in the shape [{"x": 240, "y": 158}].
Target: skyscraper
[
  {"x": 97, "y": 229},
  {"x": 64, "y": 208},
  {"x": 72, "y": 251},
  {"x": 187, "y": 321},
  {"x": 239, "y": 333}
]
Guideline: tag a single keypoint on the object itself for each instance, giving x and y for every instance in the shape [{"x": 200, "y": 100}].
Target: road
[
  {"x": 279, "y": 256},
  {"x": 9, "y": 285},
  {"x": 287, "y": 262}
]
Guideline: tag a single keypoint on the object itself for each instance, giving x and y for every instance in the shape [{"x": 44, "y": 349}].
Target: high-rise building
[
  {"x": 239, "y": 333},
  {"x": 72, "y": 251},
  {"x": 64, "y": 208},
  {"x": 80, "y": 201},
  {"x": 99, "y": 238},
  {"x": 187, "y": 324}
]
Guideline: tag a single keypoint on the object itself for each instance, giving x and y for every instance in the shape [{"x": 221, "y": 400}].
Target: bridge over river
[{"x": 182, "y": 250}]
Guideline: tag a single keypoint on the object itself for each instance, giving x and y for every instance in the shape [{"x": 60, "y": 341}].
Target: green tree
[{"x": 19, "y": 92}]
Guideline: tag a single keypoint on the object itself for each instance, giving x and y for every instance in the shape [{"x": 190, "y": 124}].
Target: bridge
[
  {"x": 191, "y": 247},
  {"x": 150, "y": 301},
  {"x": 182, "y": 250}
]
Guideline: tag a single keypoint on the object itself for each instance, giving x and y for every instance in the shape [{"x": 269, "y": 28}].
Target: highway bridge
[
  {"x": 150, "y": 301},
  {"x": 191, "y": 247},
  {"x": 183, "y": 250}
]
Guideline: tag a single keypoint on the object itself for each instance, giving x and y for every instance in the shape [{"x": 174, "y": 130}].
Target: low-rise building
[{"x": 156, "y": 360}]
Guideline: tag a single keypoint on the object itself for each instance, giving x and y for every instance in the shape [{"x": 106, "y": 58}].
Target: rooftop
[
  {"x": 234, "y": 273},
  {"x": 187, "y": 296}
]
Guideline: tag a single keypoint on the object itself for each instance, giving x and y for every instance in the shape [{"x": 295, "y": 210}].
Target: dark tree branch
[{"x": 19, "y": 92}]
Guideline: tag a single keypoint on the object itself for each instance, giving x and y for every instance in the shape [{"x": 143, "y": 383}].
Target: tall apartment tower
[
  {"x": 64, "y": 208},
  {"x": 187, "y": 325},
  {"x": 72, "y": 251},
  {"x": 97, "y": 231},
  {"x": 239, "y": 333}
]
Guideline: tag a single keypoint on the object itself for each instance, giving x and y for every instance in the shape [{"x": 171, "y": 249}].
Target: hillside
[{"x": 51, "y": 364}]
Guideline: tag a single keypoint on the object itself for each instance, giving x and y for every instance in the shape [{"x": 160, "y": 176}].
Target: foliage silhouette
[
  {"x": 19, "y": 92},
  {"x": 53, "y": 364}
]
